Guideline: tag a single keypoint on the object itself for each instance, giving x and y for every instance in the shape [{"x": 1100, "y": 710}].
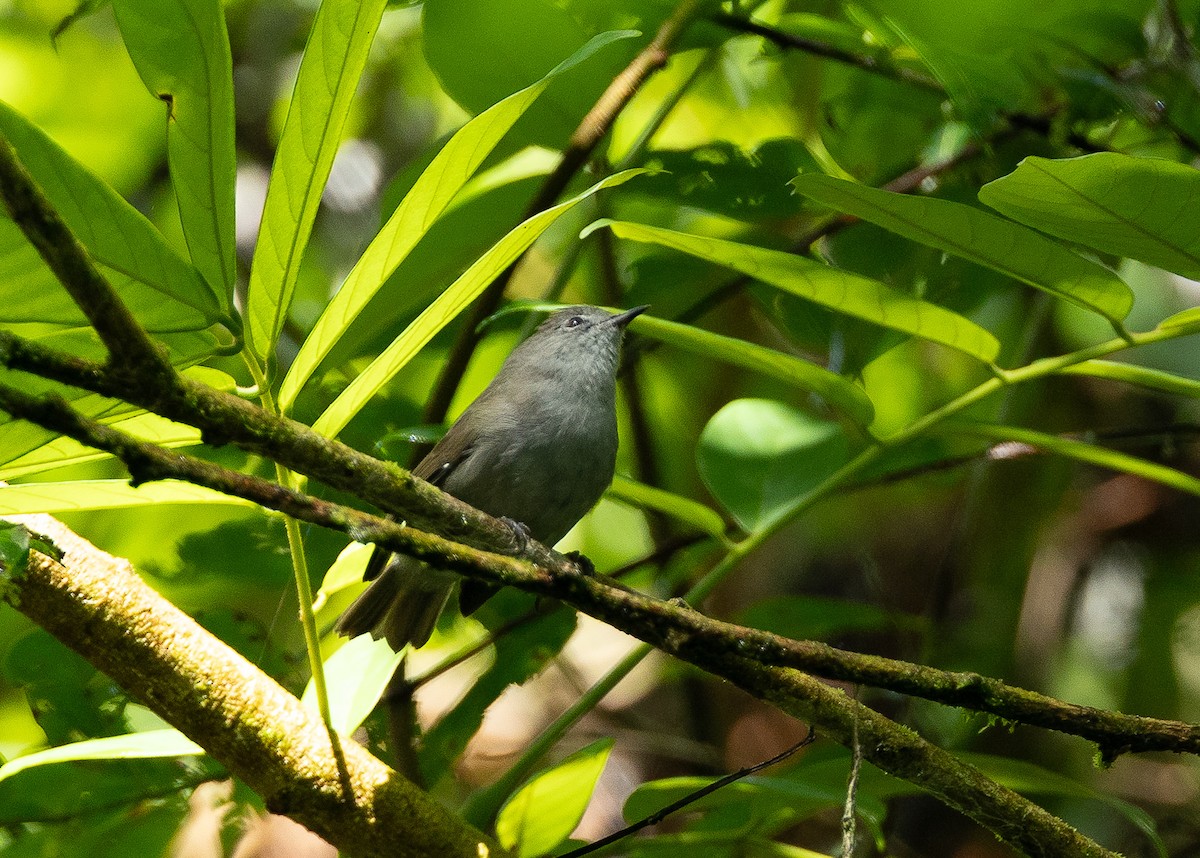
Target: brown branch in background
[
  {"x": 98, "y": 606},
  {"x": 646, "y": 467},
  {"x": 591, "y": 130},
  {"x": 129, "y": 346}
]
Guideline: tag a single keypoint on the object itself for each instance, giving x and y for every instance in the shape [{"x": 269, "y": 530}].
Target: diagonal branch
[
  {"x": 99, "y": 607},
  {"x": 672, "y": 627}
]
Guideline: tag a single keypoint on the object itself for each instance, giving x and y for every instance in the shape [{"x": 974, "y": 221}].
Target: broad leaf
[
  {"x": 840, "y": 290},
  {"x": 333, "y": 62},
  {"x": 757, "y": 456},
  {"x": 27, "y": 449},
  {"x": 356, "y": 677},
  {"x": 544, "y": 812},
  {"x": 1143, "y": 208},
  {"x": 839, "y": 392},
  {"x": 181, "y": 51},
  {"x": 428, "y": 198},
  {"x": 980, "y": 237},
  {"x": 699, "y": 516},
  {"x": 162, "y": 290},
  {"x": 446, "y": 307},
  {"x": 132, "y": 746}
]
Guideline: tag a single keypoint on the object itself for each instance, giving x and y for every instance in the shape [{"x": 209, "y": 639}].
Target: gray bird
[{"x": 538, "y": 447}]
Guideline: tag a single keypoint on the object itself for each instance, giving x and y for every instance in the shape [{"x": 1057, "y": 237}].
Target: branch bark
[{"x": 99, "y": 607}]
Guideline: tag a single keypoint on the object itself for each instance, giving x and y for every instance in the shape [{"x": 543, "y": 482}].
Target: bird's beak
[{"x": 623, "y": 319}]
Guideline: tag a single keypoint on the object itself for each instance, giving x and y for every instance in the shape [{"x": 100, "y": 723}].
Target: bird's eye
[{"x": 574, "y": 321}]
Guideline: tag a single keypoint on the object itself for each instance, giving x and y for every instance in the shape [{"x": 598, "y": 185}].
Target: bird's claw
[
  {"x": 520, "y": 533},
  {"x": 585, "y": 566}
]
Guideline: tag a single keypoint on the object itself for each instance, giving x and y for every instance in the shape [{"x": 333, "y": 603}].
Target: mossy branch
[{"x": 97, "y": 605}]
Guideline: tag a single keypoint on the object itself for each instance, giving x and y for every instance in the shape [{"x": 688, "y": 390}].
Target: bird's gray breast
[{"x": 543, "y": 463}]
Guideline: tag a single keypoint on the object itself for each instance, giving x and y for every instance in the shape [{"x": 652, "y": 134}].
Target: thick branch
[{"x": 95, "y": 604}]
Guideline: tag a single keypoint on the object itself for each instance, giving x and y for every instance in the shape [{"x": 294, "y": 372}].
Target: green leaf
[
  {"x": 1142, "y": 208},
  {"x": 76, "y": 495},
  {"x": 840, "y": 290},
  {"x": 1183, "y": 319},
  {"x": 333, "y": 62},
  {"x": 449, "y": 304},
  {"x": 162, "y": 290},
  {"x": 132, "y": 746},
  {"x": 356, "y": 677},
  {"x": 345, "y": 571},
  {"x": 14, "y": 551},
  {"x": 181, "y": 51},
  {"x": 757, "y": 455},
  {"x": 839, "y": 392},
  {"x": 691, "y": 512},
  {"x": 1081, "y": 452},
  {"x": 980, "y": 237},
  {"x": 428, "y": 198},
  {"x": 1155, "y": 379},
  {"x": 544, "y": 812},
  {"x": 46, "y": 452}
]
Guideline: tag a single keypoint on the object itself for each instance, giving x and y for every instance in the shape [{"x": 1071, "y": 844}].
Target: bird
[{"x": 536, "y": 449}]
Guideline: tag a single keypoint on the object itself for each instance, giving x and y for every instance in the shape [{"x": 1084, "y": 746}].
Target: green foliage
[{"x": 816, "y": 430}]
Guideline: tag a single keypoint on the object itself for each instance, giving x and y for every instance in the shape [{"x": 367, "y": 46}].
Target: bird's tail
[{"x": 401, "y": 605}]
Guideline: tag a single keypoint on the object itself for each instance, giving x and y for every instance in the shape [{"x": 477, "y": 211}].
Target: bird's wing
[{"x": 435, "y": 469}]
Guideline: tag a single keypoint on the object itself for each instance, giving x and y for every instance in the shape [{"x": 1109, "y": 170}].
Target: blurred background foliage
[{"x": 1056, "y": 576}]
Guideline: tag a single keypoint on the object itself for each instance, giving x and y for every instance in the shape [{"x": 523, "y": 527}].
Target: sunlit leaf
[
  {"x": 152, "y": 743},
  {"x": 428, "y": 198},
  {"x": 333, "y": 62},
  {"x": 164, "y": 292},
  {"x": 356, "y": 677},
  {"x": 181, "y": 51},
  {"x": 544, "y": 812},
  {"x": 980, "y": 237},
  {"x": 75, "y": 495},
  {"x": 1143, "y": 208},
  {"x": 446, "y": 307},
  {"x": 840, "y": 290}
]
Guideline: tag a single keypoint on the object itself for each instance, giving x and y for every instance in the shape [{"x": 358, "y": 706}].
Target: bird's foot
[
  {"x": 585, "y": 566},
  {"x": 520, "y": 534}
]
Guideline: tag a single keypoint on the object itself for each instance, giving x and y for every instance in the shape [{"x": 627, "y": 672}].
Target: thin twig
[
  {"x": 691, "y": 798},
  {"x": 875, "y": 64}
]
